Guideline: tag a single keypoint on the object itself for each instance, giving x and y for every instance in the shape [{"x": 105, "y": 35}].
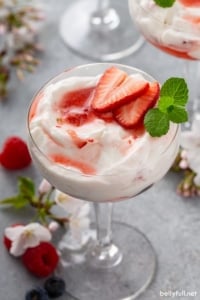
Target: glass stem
[
  {"x": 103, "y": 223},
  {"x": 104, "y": 253},
  {"x": 104, "y": 18},
  {"x": 103, "y": 5}
]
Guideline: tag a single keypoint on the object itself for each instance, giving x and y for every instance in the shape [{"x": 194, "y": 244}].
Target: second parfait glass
[
  {"x": 99, "y": 30},
  {"x": 176, "y": 31},
  {"x": 120, "y": 263}
]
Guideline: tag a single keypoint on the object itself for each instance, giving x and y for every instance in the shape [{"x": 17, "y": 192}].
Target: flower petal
[
  {"x": 31, "y": 241},
  {"x": 39, "y": 231},
  {"x": 17, "y": 247},
  {"x": 194, "y": 160},
  {"x": 195, "y": 127},
  {"x": 68, "y": 203},
  {"x": 189, "y": 140},
  {"x": 13, "y": 233},
  {"x": 83, "y": 211}
]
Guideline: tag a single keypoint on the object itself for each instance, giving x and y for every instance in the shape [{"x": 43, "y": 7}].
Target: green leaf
[
  {"x": 177, "y": 89},
  {"x": 164, "y": 3},
  {"x": 156, "y": 122},
  {"x": 164, "y": 103},
  {"x": 16, "y": 202},
  {"x": 177, "y": 114},
  {"x": 26, "y": 187}
]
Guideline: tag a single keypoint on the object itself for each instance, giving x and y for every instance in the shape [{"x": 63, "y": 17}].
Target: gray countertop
[{"x": 170, "y": 222}]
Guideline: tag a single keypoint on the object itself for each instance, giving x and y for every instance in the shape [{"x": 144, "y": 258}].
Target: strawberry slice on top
[
  {"x": 116, "y": 88},
  {"x": 132, "y": 114},
  {"x": 110, "y": 79}
]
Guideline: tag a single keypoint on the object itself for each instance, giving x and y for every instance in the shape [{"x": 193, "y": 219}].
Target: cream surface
[
  {"x": 176, "y": 28},
  {"x": 121, "y": 165}
]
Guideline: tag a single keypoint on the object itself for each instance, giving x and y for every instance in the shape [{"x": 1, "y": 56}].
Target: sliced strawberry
[
  {"x": 131, "y": 114},
  {"x": 128, "y": 90},
  {"x": 107, "y": 117},
  {"x": 111, "y": 78},
  {"x": 190, "y": 3}
]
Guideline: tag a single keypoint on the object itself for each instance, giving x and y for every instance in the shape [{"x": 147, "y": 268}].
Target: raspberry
[
  {"x": 15, "y": 154},
  {"x": 41, "y": 260},
  {"x": 7, "y": 242},
  {"x": 54, "y": 286},
  {"x": 37, "y": 294}
]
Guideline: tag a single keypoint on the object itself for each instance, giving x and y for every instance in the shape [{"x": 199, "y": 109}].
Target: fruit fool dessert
[
  {"x": 175, "y": 30},
  {"x": 88, "y": 139}
]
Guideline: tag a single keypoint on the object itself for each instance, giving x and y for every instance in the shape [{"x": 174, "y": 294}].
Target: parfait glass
[
  {"x": 176, "y": 31},
  {"x": 120, "y": 263},
  {"x": 99, "y": 30}
]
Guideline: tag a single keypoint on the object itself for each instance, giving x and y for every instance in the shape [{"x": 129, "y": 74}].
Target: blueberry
[
  {"x": 55, "y": 286},
  {"x": 37, "y": 294}
]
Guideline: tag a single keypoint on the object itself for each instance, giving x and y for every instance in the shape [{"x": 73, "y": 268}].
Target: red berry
[
  {"x": 41, "y": 260},
  {"x": 116, "y": 88},
  {"x": 7, "y": 242},
  {"x": 15, "y": 154},
  {"x": 132, "y": 114}
]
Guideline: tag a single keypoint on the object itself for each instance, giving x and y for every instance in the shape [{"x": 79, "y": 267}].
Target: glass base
[
  {"x": 112, "y": 40},
  {"x": 125, "y": 281}
]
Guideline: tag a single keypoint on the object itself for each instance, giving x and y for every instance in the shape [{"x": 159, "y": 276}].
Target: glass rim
[
  {"x": 148, "y": 12},
  {"x": 73, "y": 171}
]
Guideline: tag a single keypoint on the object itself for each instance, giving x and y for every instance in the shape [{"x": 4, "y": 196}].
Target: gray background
[{"x": 170, "y": 222}]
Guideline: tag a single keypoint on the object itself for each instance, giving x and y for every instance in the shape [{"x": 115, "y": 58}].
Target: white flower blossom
[
  {"x": 72, "y": 206},
  {"x": 23, "y": 237},
  {"x": 190, "y": 141},
  {"x": 77, "y": 212},
  {"x": 19, "y": 37}
]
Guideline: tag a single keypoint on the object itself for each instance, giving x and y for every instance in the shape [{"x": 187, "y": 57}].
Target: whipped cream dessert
[
  {"x": 89, "y": 149},
  {"x": 175, "y": 30}
]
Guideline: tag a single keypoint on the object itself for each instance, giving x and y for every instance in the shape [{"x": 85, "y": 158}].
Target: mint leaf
[
  {"x": 177, "y": 114},
  {"x": 164, "y": 3},
  {"x": 177, "y": 89},
  {"x": 164, "y": 103},
  {"x": 156, "y": 122},
  {"x": 170, "y": 107}
]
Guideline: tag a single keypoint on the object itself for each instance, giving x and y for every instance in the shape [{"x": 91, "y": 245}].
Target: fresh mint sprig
[
  {"x": 170, "y": 107},
  {"x": 165, "y": 3}
]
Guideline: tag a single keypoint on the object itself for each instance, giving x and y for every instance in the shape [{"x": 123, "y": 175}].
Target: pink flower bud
[
  {"x": 44, "y": 186},
  {"x": 53, "y": 226},
  {"x": 183, "y": 164}
]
